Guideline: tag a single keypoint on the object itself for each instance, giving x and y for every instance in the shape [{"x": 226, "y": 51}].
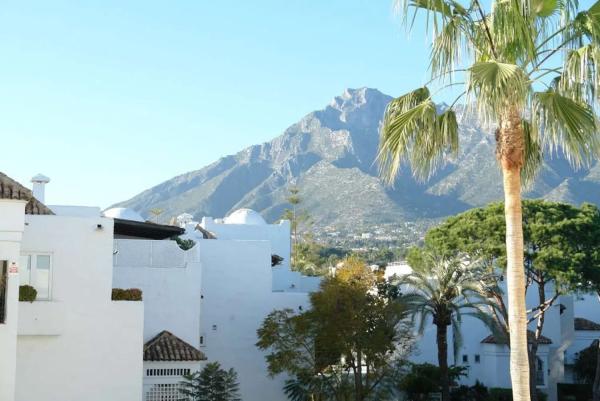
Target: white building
[
  {"x": 570, "y": 326},
  {"x": 212, "y": 297},
  {"x": 73, "y": 342},
  {"x": 201, "y": 304}
]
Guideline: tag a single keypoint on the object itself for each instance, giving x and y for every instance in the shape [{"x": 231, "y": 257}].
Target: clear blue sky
[{"x": 111, "y": 97}]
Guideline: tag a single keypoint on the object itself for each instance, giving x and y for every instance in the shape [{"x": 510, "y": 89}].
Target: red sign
[{"x": 13, "y": 269}]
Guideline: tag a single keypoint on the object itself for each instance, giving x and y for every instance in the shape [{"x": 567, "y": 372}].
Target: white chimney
[{"x": 39, "y": 181}]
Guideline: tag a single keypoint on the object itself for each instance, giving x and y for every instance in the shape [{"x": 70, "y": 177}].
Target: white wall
[
  {"x": 95, "y": 352},
  {"x": 226, "y": 283},
  {"x": 170, "y": 280},
  {"x": 12, "y": 214},
  {"x": 237, "y": 297}
]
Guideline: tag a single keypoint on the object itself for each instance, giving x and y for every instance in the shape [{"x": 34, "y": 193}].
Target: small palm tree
[
  {"x": 531, "y": 70},
  {"x": 444, "y": 290},
  {"x": 210, "y": 384}
]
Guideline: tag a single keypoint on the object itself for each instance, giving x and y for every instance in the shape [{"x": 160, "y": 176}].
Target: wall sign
[{"x": 13, "y": 269}]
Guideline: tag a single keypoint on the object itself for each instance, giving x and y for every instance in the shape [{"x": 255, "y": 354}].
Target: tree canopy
[
  {"x": 347, "y": 344},
  {"x": 561, "y": 240}
]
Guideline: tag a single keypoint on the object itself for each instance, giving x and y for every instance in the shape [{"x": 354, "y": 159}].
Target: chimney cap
[{"x": 40, "y": 178}]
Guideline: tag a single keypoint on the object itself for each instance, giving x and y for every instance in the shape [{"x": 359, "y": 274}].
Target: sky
[{"x": 109, "y": 98}]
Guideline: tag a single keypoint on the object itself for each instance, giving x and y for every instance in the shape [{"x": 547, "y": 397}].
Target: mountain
[{"x": 330, "y": 155}]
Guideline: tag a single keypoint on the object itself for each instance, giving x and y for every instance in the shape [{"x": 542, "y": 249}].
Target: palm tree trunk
[
  {"x": 510, "y": 153},
  {"x": 541, "y": 282},
  {"x": 442, "y": 344}
]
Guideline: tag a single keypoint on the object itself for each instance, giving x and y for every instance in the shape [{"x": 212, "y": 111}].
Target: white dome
[
  {"x": 245, "y": 216},
  {"x": 123, "y": 213}
]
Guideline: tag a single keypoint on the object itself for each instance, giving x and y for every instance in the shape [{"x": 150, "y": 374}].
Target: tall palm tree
[
  {"x": 530, "y": 70},
  {"x": 445, "y": 290}
]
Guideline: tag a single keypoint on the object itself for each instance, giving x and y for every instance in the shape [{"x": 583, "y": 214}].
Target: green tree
[
  {"x": 586, "y": 363},
  {"x": 589, "y": 276},
  {"x": 560, "y": 243},
  {"x": 444, "y": 289},
  {"x": 300, "y": 221},
  {"x": 530, "y": 69},
  {"x": 346, "y": 344},
  {"x": 212, "y": 383}
]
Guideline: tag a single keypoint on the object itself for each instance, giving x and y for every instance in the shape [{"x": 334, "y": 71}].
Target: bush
[
  {"x": 27, "y": 293},
  {"x": 505, "y": 394},
  {"x": 574, "y": 392},
  {"x": 184, "y": 244},
  {"x": 477, "y": 392},
  {"x": 130, "y": 294}
]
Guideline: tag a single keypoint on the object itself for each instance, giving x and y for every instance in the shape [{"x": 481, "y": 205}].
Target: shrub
[
  {"x": 505, "y": 394},
  {"x": 574, "y": 392},
  {"x": 477, "y": 392},
  {"x": 27, "y": 293},
  {"x": 130, "y": 294},
  {"x": 211, "y": 384},
  {"x": 184, "y": 244}
]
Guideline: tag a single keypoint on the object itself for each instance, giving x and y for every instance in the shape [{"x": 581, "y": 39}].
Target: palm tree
[
  {"x": 445, "y": 289},
  {"x": 530, "y": 70}
]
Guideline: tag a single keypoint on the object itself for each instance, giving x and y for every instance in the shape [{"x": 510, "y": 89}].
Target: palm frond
[
  {"x": 450, "y": 46},
  {"x": 580, "y": 79},
  {"x": 513, "y": 32},
  {"x": 494, "y": 85},
  {"x": 568, "y": 126},
  {"x": 533, "y": 153},
  {"x": 414, "y": 131}
]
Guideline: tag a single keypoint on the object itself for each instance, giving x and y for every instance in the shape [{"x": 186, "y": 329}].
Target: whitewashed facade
[
  {"x": 488, "y": 362},
  {"x": 73, "y": 342},
  {"x": 215, "y": 295}
]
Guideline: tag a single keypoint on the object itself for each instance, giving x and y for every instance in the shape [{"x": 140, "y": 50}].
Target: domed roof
[
  {"x": 245, "y": 216},
  {"x": 123, "y": 213}
]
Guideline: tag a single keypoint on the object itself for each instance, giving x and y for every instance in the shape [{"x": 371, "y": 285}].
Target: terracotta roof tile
[
  {"x": 166, "y": 347},
  {"x": 582, "y": 324},
  {"x": 491, "y": 339},
  {"x": 11, "y": 189}
]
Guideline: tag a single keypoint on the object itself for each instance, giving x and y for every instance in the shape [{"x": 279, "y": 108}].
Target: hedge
[
  {"x": 27, "y": 293},
  {"x": 574, "y": 392},
  {"x": 130, "y": 294}
]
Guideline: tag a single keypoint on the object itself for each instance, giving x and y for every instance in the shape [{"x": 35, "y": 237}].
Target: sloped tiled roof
[
  {"x": 491, "y": 339},
  {"x": 11, "y": 189},
  {"x": 166, "y": 347},
  {"x": 582, "y": 324}
]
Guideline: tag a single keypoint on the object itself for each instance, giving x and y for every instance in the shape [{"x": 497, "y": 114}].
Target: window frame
[{"x": 32, "y": 271}]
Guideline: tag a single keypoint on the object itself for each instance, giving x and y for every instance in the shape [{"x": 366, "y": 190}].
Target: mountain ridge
[{"x": 330, "y": 155}]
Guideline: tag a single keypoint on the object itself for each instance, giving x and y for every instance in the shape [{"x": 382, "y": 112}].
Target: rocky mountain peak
[{"x": 330, "y": 155}]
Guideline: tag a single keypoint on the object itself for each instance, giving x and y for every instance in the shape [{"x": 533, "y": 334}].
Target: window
[
  {"x": 164, "y": 392},
  {"x": 3, "y": 285},
  {"x": 36, "y": 271},
  {"x": 465, "y": 359},
  {"x": 167, "y": 372},
  {"x": 539, "y": 373},
  {"x": 477, "y": 358}
]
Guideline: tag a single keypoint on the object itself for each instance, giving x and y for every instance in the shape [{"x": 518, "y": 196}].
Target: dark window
[
  {"x": 465, "y": 358},
  {"x": 3, "y": 290},
  {"x": 477, "y": 359}
]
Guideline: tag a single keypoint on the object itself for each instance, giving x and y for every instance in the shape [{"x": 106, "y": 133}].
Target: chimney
[{"x": 39, "y": 181}]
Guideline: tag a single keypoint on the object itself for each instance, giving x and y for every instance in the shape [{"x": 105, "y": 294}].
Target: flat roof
[{"x": 144, "y": 229}]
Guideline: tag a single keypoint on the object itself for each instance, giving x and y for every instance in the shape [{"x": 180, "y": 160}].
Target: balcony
[{"x": 41, "y": 318}]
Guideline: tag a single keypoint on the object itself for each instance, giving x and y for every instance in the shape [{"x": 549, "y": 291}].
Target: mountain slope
[{"x": 330, "y": 155}]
